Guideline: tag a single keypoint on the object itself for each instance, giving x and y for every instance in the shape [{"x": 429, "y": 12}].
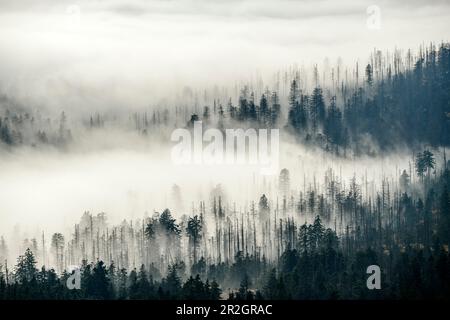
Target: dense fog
[
  {"x": 92, "y": 91},
  {"x": 97, "y": 55},
  {"x": 130, "y": 182}
]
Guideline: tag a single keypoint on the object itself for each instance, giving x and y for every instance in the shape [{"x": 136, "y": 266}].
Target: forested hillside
[
  {"x": 306, "y": 240},
  {"x": 267, "y": 251},
  {"x": 395, "y": 101}
]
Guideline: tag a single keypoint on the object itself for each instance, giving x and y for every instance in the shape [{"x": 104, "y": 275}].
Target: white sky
[{"x": 94, "y": 54}]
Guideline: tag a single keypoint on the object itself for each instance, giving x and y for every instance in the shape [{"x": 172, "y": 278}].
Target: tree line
[
  {"x": 397, "y": 103},
  {"x": 265, "y": 252}
]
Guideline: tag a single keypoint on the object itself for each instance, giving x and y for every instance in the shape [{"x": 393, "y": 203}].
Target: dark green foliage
[
  {"x": 319, "y": 269},
  {"x": 193, "y": 230},
  {"x": 393, "y": 107},
  {"x": 406, "y": 231},
  {"x": 444, "y": 225},
  {"x": 98, "y": 284}
]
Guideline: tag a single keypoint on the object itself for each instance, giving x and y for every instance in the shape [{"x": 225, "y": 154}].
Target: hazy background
[
  {"x": 90, "y": 55},
  {"x": 49, "y": 190}
]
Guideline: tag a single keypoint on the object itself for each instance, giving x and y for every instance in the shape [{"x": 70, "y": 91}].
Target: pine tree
[
  {"x": 215, "y": 291},
  {"x": 58, "y": 250},
  {"x": 369, "y": 75},
  {"x": 173, "y": 282},
  {"x": 444, "y": 216},
  {"x": 99, "y": 284},
  {"x": 193, "y": 230},
  {"x": 25, "y": 270},
  {"x": 143, "y": 287},
  {"x": 317, "y": 111}
]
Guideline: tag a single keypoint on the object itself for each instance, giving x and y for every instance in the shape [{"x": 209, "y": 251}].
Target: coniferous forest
[{"x": 304, "y": 238}]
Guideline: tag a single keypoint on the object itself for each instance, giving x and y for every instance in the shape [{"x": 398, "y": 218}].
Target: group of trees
[
  {"x": 424, "y": 163},
  {"x": 392, "y": 107},
  {"x": 8, "y": 136},
  {"x": 98, "y": 281},
  {"x": 313, "y": 242},
  {"x": 264, "y": 114},
  {"x": 25, "y": 129},
  {"x": 269, "y": 252},
  {"x": 329, "y": 271},
  {"x": 406, "y": 108},
  {"x": 321, "y": 268},
  {"x": 398, "y": 103}
]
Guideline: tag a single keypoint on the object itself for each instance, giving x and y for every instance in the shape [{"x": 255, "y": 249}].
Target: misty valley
[{"x": 359, "y": 178}]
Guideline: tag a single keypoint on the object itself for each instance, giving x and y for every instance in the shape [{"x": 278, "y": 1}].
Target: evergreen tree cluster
[
  {"x": 99, "y": 281},
  {"x": 399, "y": 103}
]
